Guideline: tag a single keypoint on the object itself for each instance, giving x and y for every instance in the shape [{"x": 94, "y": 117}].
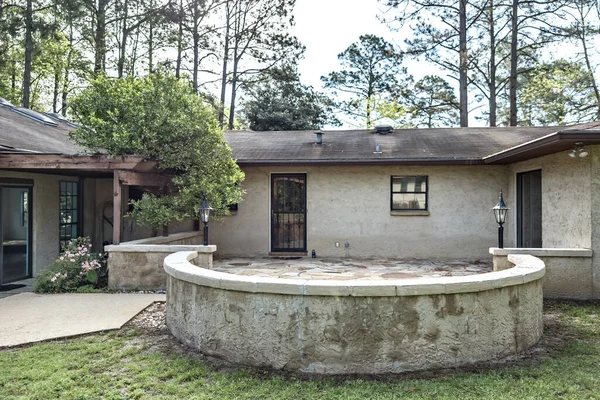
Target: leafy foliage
[
  {"x": 432, "y": 103},
  {"x": 77, "y": 268},
  {"x": 279, "y": 101},
  {"x": 159, "y": 117},
  {"x": 556, "y": 93},
  {"x": 371, "y": 69}
]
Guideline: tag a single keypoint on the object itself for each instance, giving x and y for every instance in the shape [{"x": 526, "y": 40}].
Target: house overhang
[
  {"x": 78, "y": 165},
  {"x": 549, "y": 144},
  {"x": 349, "y": 162}
]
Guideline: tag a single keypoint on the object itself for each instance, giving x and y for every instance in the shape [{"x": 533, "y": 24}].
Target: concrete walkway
[{"x": 29, "y": 317}]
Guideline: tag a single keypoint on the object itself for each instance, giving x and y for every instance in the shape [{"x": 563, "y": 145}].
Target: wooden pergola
[{"x": 124, "y": 170}]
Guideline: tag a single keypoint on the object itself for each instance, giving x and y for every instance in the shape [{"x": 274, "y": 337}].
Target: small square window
[{"x": 409, "y": 193}]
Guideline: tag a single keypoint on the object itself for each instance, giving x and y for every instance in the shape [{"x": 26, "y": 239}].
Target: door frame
[
  {"x": 18, "y": 184},
  {"x": 272, "y": 177},
  {"x": 519, "y": 200}
]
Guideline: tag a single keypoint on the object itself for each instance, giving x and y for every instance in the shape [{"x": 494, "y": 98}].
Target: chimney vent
[
  {"x": 383, "y": 129},
  {"x": 319, "y": 138}
]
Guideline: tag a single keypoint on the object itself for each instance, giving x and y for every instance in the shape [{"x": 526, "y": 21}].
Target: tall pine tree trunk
[
  {"x": 463, "y": 64},
  {"x": 180, "y": 17},
  {"x": 225, "y": 61},
  {"x": 65, "y": 88},
  {"x": 151, "y": 46},
  {"x": 492, "y": 79},
  {"x": 56, "y": 90},
  {"x": 28, "y": 51},
  {"x": 123, "y": 47},
  {"x": 513, "y": 63},
  {"x": 234, "y": 79},
  {"x": 100, "y": 37}
]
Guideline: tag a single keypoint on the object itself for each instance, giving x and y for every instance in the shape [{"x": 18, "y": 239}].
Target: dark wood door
[
  {"x": 288, "y": 212},
  {"x": 529, "y": 209}
]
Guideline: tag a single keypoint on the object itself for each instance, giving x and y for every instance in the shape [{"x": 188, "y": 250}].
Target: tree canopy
[
  {"x": 371, "y": 71},
  {"x": 159, "y": 117},
  {"x": 279, "y": 101}
]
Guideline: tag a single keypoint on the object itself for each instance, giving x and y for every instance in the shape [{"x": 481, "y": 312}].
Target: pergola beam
[{"x": 81, "y": 163}]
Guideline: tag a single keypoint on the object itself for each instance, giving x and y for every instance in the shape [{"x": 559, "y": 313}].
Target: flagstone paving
[{"x": 346, "y": 269}]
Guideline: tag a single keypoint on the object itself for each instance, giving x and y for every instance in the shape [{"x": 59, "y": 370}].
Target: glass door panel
[
  {"x": 16, "y": 220},
  {"x": 529, "y": 209}
]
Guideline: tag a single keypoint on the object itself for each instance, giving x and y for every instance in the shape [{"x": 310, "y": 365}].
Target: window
[
  {"x": 69, "y": 211},
  {"x": 409, "y": 193}
]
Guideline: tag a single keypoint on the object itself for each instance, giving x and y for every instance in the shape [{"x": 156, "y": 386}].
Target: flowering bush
[{"x": 76, "y": 269}]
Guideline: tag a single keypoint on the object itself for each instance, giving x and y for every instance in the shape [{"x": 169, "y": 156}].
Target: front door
[
  {"x": 529, "y": 209},
  {"x": 15, "y": 233},
  {"x": 288, "y": 213}
]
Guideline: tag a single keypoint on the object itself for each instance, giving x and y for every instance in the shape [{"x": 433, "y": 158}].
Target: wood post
[{"x": 117, "y": 205}]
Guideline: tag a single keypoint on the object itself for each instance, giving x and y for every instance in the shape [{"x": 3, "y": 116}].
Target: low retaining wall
[
  {"x": 355, "y": 326},
  {"x": 138, "y": 265},
  {"x": 569, "y": 273}
]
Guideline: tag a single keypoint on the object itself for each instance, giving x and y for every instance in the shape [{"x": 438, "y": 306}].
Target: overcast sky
[{"x": 328, "y": 27}]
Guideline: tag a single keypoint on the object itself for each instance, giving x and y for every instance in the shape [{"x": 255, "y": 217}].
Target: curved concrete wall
[{"x": 368, "y": 327}]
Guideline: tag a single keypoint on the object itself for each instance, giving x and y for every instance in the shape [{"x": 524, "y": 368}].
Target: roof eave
[
  {"x": 549, "y": 144},
  {"x": 381, "y": 161}
]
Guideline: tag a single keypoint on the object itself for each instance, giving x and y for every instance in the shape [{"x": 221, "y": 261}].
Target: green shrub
[{"x": 76, "y": 267}]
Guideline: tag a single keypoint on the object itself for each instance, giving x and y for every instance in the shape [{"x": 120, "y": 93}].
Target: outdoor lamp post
[
  {"x": 204, "y": 217},
  {"x": 500, "y": 211}
]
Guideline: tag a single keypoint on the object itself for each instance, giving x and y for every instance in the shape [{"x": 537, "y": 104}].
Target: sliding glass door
[
  {"x": 529, "y": 209},
  {"x": 15, "y": 232}
]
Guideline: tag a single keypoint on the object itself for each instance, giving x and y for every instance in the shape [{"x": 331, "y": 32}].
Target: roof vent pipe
[
  {"x": 319, "y": 139},
  {"x": 377, "y": 148}
]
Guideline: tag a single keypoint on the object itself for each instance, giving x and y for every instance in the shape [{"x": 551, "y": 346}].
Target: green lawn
[{"x": 132, "y": 364}]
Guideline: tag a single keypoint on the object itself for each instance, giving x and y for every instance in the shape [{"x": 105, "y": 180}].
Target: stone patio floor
[{"x": 346, "y": 269}]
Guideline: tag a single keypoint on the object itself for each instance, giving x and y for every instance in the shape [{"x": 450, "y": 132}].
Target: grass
[{"x": 127, "y": 365}]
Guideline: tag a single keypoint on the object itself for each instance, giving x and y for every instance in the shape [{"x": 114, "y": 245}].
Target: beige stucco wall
[
  {"x": 347, "y": 327},
  {"x": 353, "y": 204},
  {"x": 566, "y": 200},
  {"x": 568, "y": 271},
  {"x": 45, "y": 240},
  {"x": 139, "y": 264}
]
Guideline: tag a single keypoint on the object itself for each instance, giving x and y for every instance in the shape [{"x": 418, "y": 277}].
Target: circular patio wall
[{"x": 355, "y": 327}]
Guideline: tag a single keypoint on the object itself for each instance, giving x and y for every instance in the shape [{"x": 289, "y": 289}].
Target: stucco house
[{"x": 412, "y": 193}]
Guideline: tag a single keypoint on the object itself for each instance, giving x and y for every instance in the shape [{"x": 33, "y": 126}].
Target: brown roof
[
  {"x": 20, "y": 134},
  {"x": 403, "y": 146}
]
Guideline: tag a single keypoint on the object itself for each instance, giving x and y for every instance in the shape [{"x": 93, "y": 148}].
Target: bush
[{"x": 77, "y": 267}]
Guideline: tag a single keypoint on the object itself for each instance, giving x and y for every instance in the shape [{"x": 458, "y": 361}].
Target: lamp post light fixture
[
  {"x": 500, "y": 211},
  {"x": 205, "y": 211}
]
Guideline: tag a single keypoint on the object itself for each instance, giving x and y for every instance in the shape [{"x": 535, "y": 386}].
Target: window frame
[
  {"x": 426, "y": 193},
  {"x": 61, "y": 240}
]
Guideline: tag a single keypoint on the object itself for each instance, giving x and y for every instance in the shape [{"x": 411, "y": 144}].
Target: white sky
[{"x": 328, "y": 27}]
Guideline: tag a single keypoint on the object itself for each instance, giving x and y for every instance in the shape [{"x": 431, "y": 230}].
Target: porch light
[
  {"x": 578, "y": 151},
  {"x": 205, "y": 211},
  {"x": 500, "y": 211}
]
